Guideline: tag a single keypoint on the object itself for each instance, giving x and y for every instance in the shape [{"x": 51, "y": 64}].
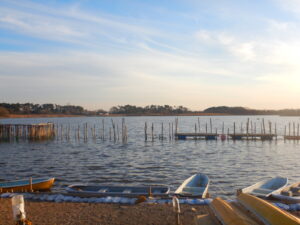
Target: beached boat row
[{"x": 195, "y": 186}]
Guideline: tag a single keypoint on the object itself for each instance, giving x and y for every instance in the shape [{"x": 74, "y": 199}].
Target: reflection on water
[{"x": 230, "y": 165}]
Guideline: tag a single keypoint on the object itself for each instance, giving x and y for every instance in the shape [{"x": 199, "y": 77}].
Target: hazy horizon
[{"x": 197, "y": 54}]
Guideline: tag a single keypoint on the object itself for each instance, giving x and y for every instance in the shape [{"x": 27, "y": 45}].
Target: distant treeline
[
  {"x": 151, "y": 109},
  {"x": 30, "y": 108}
]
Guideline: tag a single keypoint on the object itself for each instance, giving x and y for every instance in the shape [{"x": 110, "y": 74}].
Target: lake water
[{"x": 229, "y": 164}]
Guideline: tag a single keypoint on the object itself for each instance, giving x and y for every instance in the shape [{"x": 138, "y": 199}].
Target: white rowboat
[
  {"x": 267, "y": 187},
  {"x": 196, "y": 185}
]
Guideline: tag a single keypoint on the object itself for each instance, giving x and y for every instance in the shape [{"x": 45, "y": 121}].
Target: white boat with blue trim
[
  {"x": 266, "y": 187},
  {"x": 196, "y": 186}
]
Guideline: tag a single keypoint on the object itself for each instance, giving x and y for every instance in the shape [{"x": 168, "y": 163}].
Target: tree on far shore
[{"x": 4, "y": 112}]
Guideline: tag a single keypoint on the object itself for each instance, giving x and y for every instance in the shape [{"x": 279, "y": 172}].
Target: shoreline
[{"x": 18, "y": 116}]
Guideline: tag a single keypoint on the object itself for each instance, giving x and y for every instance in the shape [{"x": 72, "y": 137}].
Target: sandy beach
[{"x": 50, "y": 213}]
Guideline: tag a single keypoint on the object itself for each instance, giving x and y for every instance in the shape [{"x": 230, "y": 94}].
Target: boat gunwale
[
  {"x": 249, "y": 189},
  {"x": 179, "y": 190},
  {"x": 34, "y": 181},
  {"x": 71, "y": 189}
]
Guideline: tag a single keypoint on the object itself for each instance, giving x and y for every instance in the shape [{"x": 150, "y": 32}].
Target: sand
[
  {"x": 67, "y": 213},
  {"x": 50, "y": 213}
]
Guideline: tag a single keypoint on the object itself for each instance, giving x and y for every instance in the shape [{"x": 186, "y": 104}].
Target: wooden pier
[
  {"x": 32, "y": 132},
  {"x": 293, "y": 132},
  {"x": 291, "y": 137},
  {"x": 205, "y": 136}
]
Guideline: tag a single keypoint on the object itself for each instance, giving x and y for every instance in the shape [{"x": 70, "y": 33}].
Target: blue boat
[{"x": 121, "y": 191}]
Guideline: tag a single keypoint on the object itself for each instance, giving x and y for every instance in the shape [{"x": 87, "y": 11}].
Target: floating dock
[
  {"x": 206, "y": 136},
  {"x": 291, "y": 137},
  {"x": 242, "y": 136}
]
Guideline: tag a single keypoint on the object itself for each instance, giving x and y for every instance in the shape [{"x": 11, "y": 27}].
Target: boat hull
[
  {"x": 195, "y": 186},
  {"x": 266, "y": 188},
  {"x": 25, "y": 186},
  {"x": 121, "y": 191},
  {"x": 290, "y": 194}
]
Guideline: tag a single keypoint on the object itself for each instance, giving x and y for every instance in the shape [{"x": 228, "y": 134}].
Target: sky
[{"x": 104, "y": 53}]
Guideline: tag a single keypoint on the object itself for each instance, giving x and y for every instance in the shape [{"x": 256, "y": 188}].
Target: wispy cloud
[{"x": 112, "y": 58}]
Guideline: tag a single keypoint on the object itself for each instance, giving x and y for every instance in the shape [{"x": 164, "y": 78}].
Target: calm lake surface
[{"x": 229, "y": 164}]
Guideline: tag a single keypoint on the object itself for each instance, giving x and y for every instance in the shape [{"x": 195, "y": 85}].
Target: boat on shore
[
  {"x": 27, "y": 185},
  {"x": 121, "y": 191},
  {"x": 290, "y": 194},
  {"x": 196, "y": 186},
  {"x": 267, "y": 187}
]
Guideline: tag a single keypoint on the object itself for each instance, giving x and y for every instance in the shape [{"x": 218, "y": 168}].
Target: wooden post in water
[
  {"x": 247, "y": 128},
  {"x": 114, "y": 130},
  {"x": 118, "y": 136},
  {"x": 285, "y": 130},
  {"x": 162, "y": 131},
  {"x": 78, "y": 133},
  {"x": 289, "y": 129},
  {"x": 234, "y": 129},
  {"x": 152, "y": 132},
  {"x": 211, "y": 129},
  {"x": 199, "y": 128},
  {"x": 294, "y": 130},
  {"x": 61, "y": 132},
  {"x": 223, "y": 128},
  {"x": 110, "y": 133},
  {"x": 276, "y": 131},
  {"x": 170, "y": 135},
  {"x": 30, "y": 184},
  {"x": 122, "y": 130},
  {"x": 103, "y": 133},
  {"x": 145, "y": 130},
  {"x": 264, "y": 129}
]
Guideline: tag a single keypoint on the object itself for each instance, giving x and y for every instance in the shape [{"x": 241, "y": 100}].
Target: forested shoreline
[{"x": 54, "y": 109}]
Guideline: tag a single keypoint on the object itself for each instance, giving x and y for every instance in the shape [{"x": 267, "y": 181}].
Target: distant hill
[
  {"x": 247, "y": 111},
  {"x": 238, "y": 111}
]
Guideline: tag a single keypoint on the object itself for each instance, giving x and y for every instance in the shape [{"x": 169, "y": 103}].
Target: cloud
[
  {"x": 71, "y": 25},
  {"x": 113, "y": 59}
]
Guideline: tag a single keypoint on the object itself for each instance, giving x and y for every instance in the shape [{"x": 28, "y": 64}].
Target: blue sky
[{"x": 193, "y": 53}]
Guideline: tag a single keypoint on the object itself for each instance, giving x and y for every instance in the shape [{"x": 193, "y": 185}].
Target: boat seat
[
  {"x": 295, "y": 189},
  {"x": 103, "y": 190},
  {"x": 127, "y": 191},
  {"x": 193, "y": 190},
  {"x": 262, "y": 191}
]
